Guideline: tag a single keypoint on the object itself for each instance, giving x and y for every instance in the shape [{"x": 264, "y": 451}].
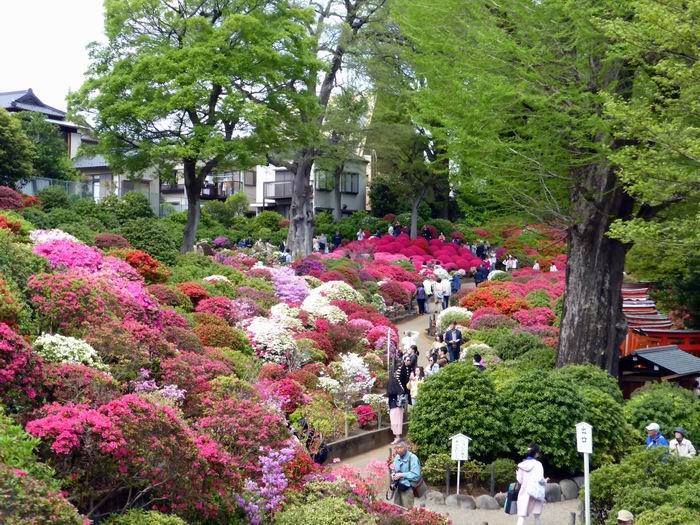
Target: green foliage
[
  {"x": 434, "y": 468},
  {"x": 605, "y": 414},
  {"x": 490, "y": 336},
  {"x": 544, "y": 408},
  {"x": 515, "y": 344},
  {"x": 16, "y": 151},
  {"x": 80, "y": 231},
  {"x": 539, "y": 358},
  {"x": 194, "y": 267},
  {"x": 225, "y": 212},
  {"x": 267, "y": 219},
  {"x": 37, "y": 217},
  {"x": 17, "y": 262},
  {"x": 668, "y": 514},
  {"x": 133, "y": 205},
  {"x": 538, "y": 299},
  {"x": 26, "y": 500},
  {"x": 244, "y": 365},
  {"x": 17, "y": 450},
  {"x": 504, "y": 472},
  {"x": 458, "y": 399},
  {"x": 666, "y": 404},
  {"x": 328, "y": 511},
  {"x": 152, "y": 236},
  {"x": 591, "y": 375},
  {"x": 142, "y": 517},
  {"x": 51, "y": 157},
  {"x": 53, "y": 197}
]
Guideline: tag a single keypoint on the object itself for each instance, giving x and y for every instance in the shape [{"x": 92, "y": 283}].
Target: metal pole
[
  {"x": 459, "y": 466},
  {"x": 587, "y": 485}
]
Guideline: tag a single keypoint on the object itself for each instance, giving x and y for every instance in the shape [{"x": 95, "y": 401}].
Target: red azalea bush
[
  {"x": 151, "y": 270},
  {"x": 299, "y": 468},
  {"x": 243, "y": 427},
  {"x": 8, "y": 224},
  {"x": 259, "y": 273},
  {"x": 291, "y": 392},
  {"x": 394, "y": 294},
  {"x": 168, "y": 317},
  {"x": 222, "y": 336},
  {"x": 76, "y": 383},
  {"x": 108, "y": 240},
  {"x": 495, "y": 296},
  {"x": 141, "y": 446},
  {"x": 170, "y": 296},
  {"x": 220, "y": 307},
  {"x": 272, "y": 372},
  {"x": 535, "y": 317},
  {"x": 10, "y": 199},
  {"x": 344, "y": 338},
  {"x": 491, "y": 321},
  {"x": 373, "y": 317},
  {"x": 305, "y": 378},
  {"x": 21, "y": 370},
  {"x": 366, "y": 416},
  {"x": 196, "y": 292}
]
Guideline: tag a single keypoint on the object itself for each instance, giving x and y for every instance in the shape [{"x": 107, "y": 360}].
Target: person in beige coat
[
  {"x": 681, "y": 446},
  {"x": 530, "y": 475}
]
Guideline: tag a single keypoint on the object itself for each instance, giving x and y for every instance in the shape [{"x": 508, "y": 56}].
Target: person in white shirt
[
  {"x": 428, "y": 287},
  {"x": 536, "y": 266},
  {"x": 446, "y": 287},
  {"x": 360, "y": 235},
  {"x": 553, "y": 268},
  {"x": 680, "y": 446}
]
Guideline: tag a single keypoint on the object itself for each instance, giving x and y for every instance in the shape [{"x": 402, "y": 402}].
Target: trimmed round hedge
[
  {"x": 668, "y": 405},
  {"x": 458, "y": 399},
  {"x": 141, "y": 517}
]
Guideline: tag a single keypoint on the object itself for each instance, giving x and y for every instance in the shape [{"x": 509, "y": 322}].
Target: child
[{"x": 417, "y": 378}]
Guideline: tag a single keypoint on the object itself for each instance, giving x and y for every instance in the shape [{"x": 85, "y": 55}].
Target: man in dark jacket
[
  {"x": 453, "y": 338},
  {"x": 337, "y": 240},
  {"x": 420, "y": 298}
]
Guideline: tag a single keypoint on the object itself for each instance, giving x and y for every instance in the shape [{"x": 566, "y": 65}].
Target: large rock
[
  {"x": 501, "y": 498},
  {"x": 460, "y": 500},
  {"x": 435, "y": 496},
  {"x": 579, "y": 480},
  {"x": 487, "y": 502},
  {"x": 552, "y": 493},
  {"x": 569, "y": 489}
]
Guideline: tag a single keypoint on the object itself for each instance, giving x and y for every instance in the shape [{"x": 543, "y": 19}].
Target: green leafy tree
[
  {"x": 16, "y": 152},
  {"x": 51, "y": 158},
  {"x": 201, "y": 85},
  {"x": 554, "y": 108},
  {"x": 226, "y": 212}
]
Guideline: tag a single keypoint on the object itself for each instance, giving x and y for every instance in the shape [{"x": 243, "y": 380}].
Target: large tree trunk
[
  {"x": 301, "y": 213},
  {"x": 193, "y": 190},
  {"x": 593, "y": 326},
  {"x": 337, "y": 193},
  {"x": 414, "y": 216}
]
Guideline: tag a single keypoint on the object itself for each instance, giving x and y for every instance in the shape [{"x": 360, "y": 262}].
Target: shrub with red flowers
[
  {"x": 134, "y": 453},
  {"x": 168, "y": 317},
  {"x": 76, "y": 383},
  {"x": 220, "y": 307},
  {"x": 366, "y": 416},
  {"x": 309, "y": 266},
  {"x": 243, "y": 427},
  {"x": 299, "y": 467},
  {"x": 394, "y": 294},
  {"x": 21, "y": 370},
  {"x": 535, "y": 317},
  {"x": 196, "y": 292},
  {"x": 290, "y": 392},
  {"x": 305, "y": 378},
  {"x": 108, "y": 240},
  {"x": 8, "y": 224},
  {"x": 491, "y": 321},
  {"x": 494, "y": 295},
  {"x": 183, "y": 339},
  {"x": 344, "y": 338},
  {"x": 222, "y": 336},
  {"x": 259, "y": 273},
  {"x": 170, "y": 296},
  {"x": 10, "y": 199},
  {"x": 151, "y": 270}
]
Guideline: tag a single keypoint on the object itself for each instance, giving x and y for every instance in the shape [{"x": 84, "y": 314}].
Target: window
[
  {"x": 350, "y": 183},
  {"x": 250, "y": 178},
  {"x": 323, "y": 181}
]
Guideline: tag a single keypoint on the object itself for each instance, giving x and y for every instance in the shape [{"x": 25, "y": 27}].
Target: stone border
[{"x": 347, "y": 448}]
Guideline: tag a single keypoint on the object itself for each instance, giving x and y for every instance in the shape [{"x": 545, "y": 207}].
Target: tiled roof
[
  {"x": 26, "y": 100},
  {"x": 671, "y": 358}
]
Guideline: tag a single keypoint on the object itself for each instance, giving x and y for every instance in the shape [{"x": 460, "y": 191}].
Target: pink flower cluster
[
  {"x": 67, "y": 255},
  {"x": 535, "y": 317}
]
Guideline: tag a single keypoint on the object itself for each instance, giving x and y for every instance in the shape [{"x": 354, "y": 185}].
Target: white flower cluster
[
  {"x": 270, "y": 340},
  {"x": 56, "y": 348},
  {"x": 379, "y": 303},
  {"x": 353, "y": 377},
  {"x": 43, "y": 236},
  {"x": 375, "y": 400},
  {"x": 333, "y": 290},
  {"x": 494, "y": 273},
  {"x": 454, "y": 313},
  {"x": 329, "y": 384},
  {"x": 286, "y": 316},
  {"x": 216, "y": 279},
  {"x": 331, "y": 313}
]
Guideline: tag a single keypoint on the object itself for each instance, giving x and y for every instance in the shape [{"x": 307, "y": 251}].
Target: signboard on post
[
  {"x": 584, "y": 444},
  {"x": 460, "y": 452}
]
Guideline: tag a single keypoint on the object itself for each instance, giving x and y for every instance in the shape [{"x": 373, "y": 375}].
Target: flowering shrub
[
  {"x": 222, "y": 242},
  {"x": 11, "y": 305},
  {"x": 291, "y": 393},
  {"x": 194, "y": 291},
  {"x": 461, "y": 316},
  {"x": 350, "y": 379},
  {"x": 61, "y": 349},
  {"x": 486, "y": 321},
  {"x": 270, "y": 342},
  {"x": 8, "y": 224},
  {"x": 218, "y": 306},
  {"x": 170, "y": 296},
  {"x": 289, "y": 287},
  {"x": 143, "y": 446},
  {"x": 44, "y": 236},
  {"x": 535, "y": 317},
  {"x": 151, "y": 270},
  {"x": 76, "y": 383},
  {"x": 66, "y": 254},
  {"x": 494, "y": 296},
  {"x": 105, "y": 241},
  {"x": 10, "y": 199},
  {"x": 366, "y": 416},
  {"x": 259, "y": 273},
  {"x": 394, "y": 293},
  {"x": 169, "y": 317},
  {"x": 309, "y": 266},
  {"x": 222, "y": 336},
  {"x": 21, "y": 370},
  {"x": 192, "y": 373}
]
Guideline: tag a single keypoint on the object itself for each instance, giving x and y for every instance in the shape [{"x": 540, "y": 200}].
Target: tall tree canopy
[
  {"x": 565, "y": 109},
  {"x": 16, "y": 152},
  {"x": 199, "y": 85},
  {"x": 51, "y": 159}
]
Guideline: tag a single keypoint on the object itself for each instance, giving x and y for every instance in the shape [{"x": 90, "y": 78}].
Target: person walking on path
[
  {"x": 654, "y": 437},
  {"x": 453, "y": 338},
  {"x": 398, "y": 394},
  {"x": 421, "y": 298},
  {"x": 337, "y": 240},
  {"x": 530, "y": 475},
  {"x": 680, "y": 446},
  {"x": 417, "y": 378},
  {"x": 446, "y": 287},
  {"x": 456, "y": 282},
  {"x": 428, "y": 286},
  {"x": 405, "y": 470}
]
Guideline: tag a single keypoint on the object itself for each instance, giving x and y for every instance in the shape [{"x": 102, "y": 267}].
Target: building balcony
[{"x": 277, "y": 190}]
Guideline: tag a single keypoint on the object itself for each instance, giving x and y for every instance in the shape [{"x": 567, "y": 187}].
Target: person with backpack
[
  {"x": 530, "y": 475},
  {"x": 421, "y": 297},
  {"x": 406, "y": 471}
]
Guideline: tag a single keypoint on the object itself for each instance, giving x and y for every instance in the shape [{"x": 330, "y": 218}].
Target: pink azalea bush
[
  {"x": 65, "y": 254},
  {"x": 21, "y": 369},
  {"x": 535, "y": 317}
]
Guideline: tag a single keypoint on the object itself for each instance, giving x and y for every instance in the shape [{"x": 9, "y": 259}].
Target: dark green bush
[
  {"x": 434, "y": 468},
  {"x": 504, "y": 473},
  {"x": 443, "y": 226},
  {"x": 17, "y": 262},
  {"x": 490, "y": 336},
  {"x": 37, "y": 217},
  {"x": 267, "y": 219},
  {"x": 591, "y": 375},
  {"x": 458, "y": 399},
  {"x": 669, "y": 514},
  {"x": 544, "y": 408},
  {"x": 540, "y": 358},
  {"x": 17, "y": 451},
  {"x": 668, "y": 405},
  {"x": 538, "y": 299},
  {"x": 327, "y": 511},
  {"x": 152, "y": 236},
  {"x": 605, "y": 414},
  {"x": 80, "y": 231},
  {"x": 515, "y": 344},
  {"x": 134, "y": 205},
  {"x": 61, "y": 216},
  {"x": 53, "y": 197},
  {"x": 142, "y": 517},
  {"x": 194, "y": 267},
  {"x": 26, "y": 501}
]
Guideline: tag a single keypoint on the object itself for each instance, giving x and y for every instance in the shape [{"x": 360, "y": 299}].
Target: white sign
[
  {"x": 460, "y": 447},
  {"x": 584, "y": 438}
]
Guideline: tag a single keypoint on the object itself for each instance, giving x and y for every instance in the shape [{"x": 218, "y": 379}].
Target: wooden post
[
  {"x": 493, "y": 479},
  {"x": 572, "y": 519},
  {"x": 447, "y": 478}
]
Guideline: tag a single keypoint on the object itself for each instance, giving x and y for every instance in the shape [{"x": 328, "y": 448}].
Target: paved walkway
[{"x": 554, "y": 513}]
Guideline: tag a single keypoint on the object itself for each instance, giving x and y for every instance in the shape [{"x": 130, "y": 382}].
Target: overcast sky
[{"x": 42, "y": 45}]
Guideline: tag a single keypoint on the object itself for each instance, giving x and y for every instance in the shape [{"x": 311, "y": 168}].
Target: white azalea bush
[
  {"x": 271, "y": 341},
  {"x": 457, "y": 314},
  {"x": 44, "y": 236},
  {"x": 331, "y": 313},
  {"x": 55, "y": 348},
  {"x": 497, "y": 275},
  {"x": 286, "y": 316},
  {"x": 217, "y": 279},
  {"x": 350, "y": 379},
  {"x": 331, "y": 291}
]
